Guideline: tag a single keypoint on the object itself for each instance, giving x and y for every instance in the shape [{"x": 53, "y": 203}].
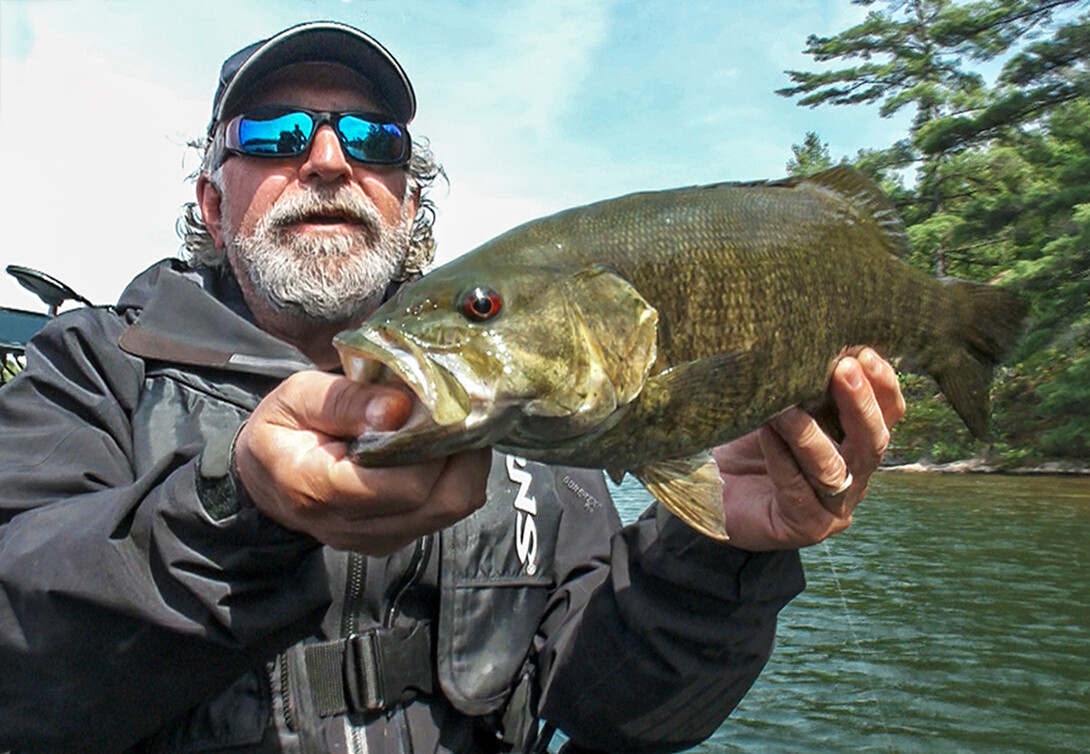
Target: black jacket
[{"x": 143, "y": 609}]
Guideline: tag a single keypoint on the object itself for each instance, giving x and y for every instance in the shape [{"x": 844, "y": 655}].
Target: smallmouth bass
[{"x": 637, "y": 333}]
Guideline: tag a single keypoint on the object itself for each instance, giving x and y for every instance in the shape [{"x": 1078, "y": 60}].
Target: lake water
[{"x": 954, "y": 616}]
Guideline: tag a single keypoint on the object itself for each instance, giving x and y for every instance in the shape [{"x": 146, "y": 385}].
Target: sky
[{"x": 532, "y": 106}]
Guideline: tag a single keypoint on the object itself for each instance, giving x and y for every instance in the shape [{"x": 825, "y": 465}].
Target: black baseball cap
[{"x": 315, "y": 42}]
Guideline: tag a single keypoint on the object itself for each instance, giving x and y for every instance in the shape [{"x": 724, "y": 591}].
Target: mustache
[{"x": 342, "y": 203}]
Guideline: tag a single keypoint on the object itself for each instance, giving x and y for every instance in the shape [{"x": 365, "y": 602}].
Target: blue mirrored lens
[
  {"x": 367, "y": 141},
  {"x": 283, "y": 135},
  {"x": 287, "y": 133}
]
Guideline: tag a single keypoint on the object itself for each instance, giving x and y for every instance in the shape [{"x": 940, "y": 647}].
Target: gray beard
[{"x": 326, "y": 279}]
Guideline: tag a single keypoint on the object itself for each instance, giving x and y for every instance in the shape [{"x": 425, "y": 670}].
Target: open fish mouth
[{"x": 369, "y": 355}]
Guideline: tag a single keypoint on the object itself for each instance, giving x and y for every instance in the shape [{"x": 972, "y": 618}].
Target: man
[{"x": 190, "y": 563}]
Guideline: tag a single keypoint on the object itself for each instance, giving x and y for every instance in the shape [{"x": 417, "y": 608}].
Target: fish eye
[{"x": 481, "y": 303}]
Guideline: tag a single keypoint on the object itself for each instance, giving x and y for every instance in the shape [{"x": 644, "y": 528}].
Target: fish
[{"x": 637, "y": 333}]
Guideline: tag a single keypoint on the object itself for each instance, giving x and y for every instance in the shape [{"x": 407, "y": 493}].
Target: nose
[{"x": 326, "y": 161}]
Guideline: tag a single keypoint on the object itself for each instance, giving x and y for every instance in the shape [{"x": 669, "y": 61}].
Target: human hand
[
  {"x": 292, "y": 458},
  {"x": 779, "y": 482}
]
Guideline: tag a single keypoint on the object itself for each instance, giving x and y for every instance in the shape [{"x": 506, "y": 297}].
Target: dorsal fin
[
  {"x": 864, "y": 201},
  {"x": 867, "y": 202}
]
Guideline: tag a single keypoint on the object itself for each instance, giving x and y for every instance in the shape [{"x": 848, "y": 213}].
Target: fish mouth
[{"x": 368, "y": 354}]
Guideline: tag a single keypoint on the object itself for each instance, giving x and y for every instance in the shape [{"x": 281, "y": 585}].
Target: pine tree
[
  {"x": 914, "y": 54},
  {"x": 1002, "y": 190},
  {"x": 1041, "y": 76},
  {"x": 809, "y": 157},
  {"x": 902, "y": 63}
]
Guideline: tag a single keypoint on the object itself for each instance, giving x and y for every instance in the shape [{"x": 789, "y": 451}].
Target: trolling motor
[{"x": 17, "y": 326}]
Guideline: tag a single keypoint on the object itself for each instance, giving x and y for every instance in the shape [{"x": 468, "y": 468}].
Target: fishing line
[{"x": 867, "y": 673}]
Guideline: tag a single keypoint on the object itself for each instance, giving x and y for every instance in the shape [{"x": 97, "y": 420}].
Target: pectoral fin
[
  {"x": 693, "y": 406},
  {"x": 691, "y": 489}
]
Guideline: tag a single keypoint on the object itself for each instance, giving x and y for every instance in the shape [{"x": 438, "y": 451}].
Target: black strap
[{"x": 371, "y": 671}]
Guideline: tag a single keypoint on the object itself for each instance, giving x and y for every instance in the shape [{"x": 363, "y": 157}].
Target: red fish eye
[{"x": 481, "y": 303}]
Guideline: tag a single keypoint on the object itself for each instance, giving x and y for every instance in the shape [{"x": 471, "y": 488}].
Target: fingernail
[
  {"x": 377, "y": 409},
  {"x": 383, "y": 412},
  {"x": 853, "y": 375},
  {"x": 872, "y": 365}
]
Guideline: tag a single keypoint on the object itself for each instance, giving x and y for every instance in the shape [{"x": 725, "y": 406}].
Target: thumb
[{"x": 337, "y": 406}]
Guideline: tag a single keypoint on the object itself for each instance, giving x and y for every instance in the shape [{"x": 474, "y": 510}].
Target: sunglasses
[{"x": 288, "y": 131}]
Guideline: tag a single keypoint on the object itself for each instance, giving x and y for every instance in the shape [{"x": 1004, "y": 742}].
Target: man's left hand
[{"x": 789, "y": 484}]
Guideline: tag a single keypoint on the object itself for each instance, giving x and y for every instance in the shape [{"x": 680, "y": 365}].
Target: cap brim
[{"x": 324, "y": 43}]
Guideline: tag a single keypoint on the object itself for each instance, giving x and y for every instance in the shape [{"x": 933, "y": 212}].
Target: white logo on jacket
[{"x": 525, "y": 528}]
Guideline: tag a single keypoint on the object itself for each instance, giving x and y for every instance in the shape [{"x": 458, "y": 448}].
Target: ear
[{"x": 210, "y": 201}]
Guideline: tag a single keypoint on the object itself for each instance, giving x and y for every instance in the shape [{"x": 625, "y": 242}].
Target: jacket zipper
[
  {"x": 353, "y": 602},
  {"x": 353, "y": 593},
  {"x": 353, "y": 598},
  {"x": 284, "y": 680}
]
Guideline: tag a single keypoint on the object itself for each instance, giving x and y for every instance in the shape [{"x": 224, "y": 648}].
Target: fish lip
[{"x": 435, "y": 387}]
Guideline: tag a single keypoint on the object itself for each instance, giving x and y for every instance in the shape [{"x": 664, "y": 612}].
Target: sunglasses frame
[{"x": 318, "y": 119}]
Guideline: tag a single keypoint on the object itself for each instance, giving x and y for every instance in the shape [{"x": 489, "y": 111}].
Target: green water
[{"x": 954, "y": 616}]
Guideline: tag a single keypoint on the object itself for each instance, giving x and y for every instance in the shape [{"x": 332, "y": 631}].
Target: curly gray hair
[{"x": 423, "y": 169}]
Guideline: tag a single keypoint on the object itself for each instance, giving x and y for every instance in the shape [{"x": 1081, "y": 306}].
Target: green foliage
[
  {"x": 1002, "y": 194},
  {"x": 1044, "y": 75},
  {"x": 899, "y": 63},
  {"x": 1042, "y": 405},
  {"x": 1068, "y": 398},
  {"x": 9, "y": 367},
  {"x": 1040, "y": 411},
  {"x": 809, "y": 157}
]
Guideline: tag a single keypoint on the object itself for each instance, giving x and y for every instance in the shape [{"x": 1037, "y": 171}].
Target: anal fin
[{"x": 690, "y": 488}]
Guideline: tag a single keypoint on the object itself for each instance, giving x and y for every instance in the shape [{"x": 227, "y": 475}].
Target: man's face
[{"x": 318, "y": 236}]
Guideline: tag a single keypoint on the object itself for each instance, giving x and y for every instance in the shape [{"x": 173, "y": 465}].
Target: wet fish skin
[{"x": 639, "y": 332}]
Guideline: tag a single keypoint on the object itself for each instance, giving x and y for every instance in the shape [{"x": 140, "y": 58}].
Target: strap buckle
[{"x": 385, "y": 666}]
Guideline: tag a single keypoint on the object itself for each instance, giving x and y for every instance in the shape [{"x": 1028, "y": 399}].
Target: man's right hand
[{"x": 292, "y": 457}]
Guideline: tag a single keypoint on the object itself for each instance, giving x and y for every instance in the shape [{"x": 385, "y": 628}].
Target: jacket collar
[{"x": 178, "y": 321}]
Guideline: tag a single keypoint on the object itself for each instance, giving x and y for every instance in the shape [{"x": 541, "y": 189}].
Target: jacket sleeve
[
  {"x": 122, "y": 601},
  {"x": 650, "y": 643}
]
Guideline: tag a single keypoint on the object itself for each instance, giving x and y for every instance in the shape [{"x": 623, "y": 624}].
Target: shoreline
[{"x": 981, "y": 466}]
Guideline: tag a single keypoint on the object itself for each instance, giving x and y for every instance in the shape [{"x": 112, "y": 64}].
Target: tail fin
[{"x": 988, "y": 323}]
